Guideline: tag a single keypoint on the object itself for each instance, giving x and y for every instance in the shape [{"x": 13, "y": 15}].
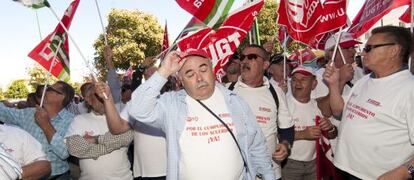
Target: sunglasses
[
  {"x": 249, "y": 56},
  {"x": 50, "y": 88},
  {"x": 369, "y": 47}
]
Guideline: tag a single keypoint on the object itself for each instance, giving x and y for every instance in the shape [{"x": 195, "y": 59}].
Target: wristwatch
[{"x": 410, "y": 168}]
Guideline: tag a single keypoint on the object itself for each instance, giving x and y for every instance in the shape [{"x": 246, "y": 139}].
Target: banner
[
  {"x": 209, "y": 12},
  {"x": 45, "y": 51},
  {"x": 221, "y": 44},
  {"x": 308, "y": 20},
  {"x": 371, "y": 12},
  {"x": 406, "y": 17}
]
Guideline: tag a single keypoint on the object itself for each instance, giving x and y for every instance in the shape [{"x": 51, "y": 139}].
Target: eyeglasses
[
  {"x": 51, "y": 88},
  {"x": 249, "y": 56},
  {"x": 369, "y": 47}
]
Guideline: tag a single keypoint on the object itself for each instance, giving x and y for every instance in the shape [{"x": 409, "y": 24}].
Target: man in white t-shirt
[
  {"x": 301, "y": 164},
  {"x": 274, "y": 121},
  {"x": 20, "y": 150},
  {"x": 211, "y": 133},
  {"x": 376, "y": 135},
  {"x": 101, "y": 154}
]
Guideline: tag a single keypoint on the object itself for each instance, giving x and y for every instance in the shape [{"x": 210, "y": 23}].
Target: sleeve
[
  {"x": 32, "y": 149},
  {"x": 79, "y": 147},
  {"x": 9, "y": 115},
  {"x": 145, "y": 104},
  {"x": 284, "y": 118},
  {"x": 260, "y": 158},
  {"x": 114, "y": 142},
  {"x": 114, "y": 85}
]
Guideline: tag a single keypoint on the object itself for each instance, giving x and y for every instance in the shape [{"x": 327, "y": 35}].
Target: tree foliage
[
  {"x": 133, "y": 35},
  {"x": 17, "y": 90},
  {"x": 38, "y": 76},
  {"x": 1, "y": 94}
]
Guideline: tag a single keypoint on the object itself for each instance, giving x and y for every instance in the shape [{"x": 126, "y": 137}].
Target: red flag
[
  {"x": 324, "y": 158},
  {"x": 209, "y": 12},
  {"x": 371, "y": 12},
  {"x": 165, "y": 42},
  {"x": 308, "y": 19},
  {"x": 221, "y": 44},
  {"x": 406, "y": 17},
  {"x": 44, "y": 52}
]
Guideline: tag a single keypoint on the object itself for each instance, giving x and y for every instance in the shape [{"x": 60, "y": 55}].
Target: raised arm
[
  {"x": 112, "y": 77},
  {"x": 331, "y": 76}
]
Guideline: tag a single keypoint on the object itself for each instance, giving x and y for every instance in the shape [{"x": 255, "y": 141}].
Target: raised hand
[
  {"x": 102, "y": 88},
  {"x": 172, "y": 63},
  {"x": 331, "y": 75}
]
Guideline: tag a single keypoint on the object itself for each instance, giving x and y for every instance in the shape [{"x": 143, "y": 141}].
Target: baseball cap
[
  {"x": 304, "y": 70},
  {"x": 347, "y": 40},
  {"x": 195, "y": 52}
]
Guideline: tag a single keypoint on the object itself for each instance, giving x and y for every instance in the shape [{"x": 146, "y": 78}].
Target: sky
[{"x": 19, "y": 32}]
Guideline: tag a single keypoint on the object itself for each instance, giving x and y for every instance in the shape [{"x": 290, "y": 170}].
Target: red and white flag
[
  {"x": 222, "y": 43},
  {"x": 165, "y": 42},
  {"x": 307, "y": 20},
  {"x": 371, "y": 12},
  {"x": 45, "y": 51}
]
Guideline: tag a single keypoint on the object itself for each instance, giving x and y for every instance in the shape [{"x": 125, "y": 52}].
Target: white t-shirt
[
  {"x": 262, "y": 104},
  {"x": 304, "y": 115},
  {"x": 377, "y": 127},
  {"x": 322, "y": 89},
  {"x": 114, "y": 165},
  {"x": 207, "y": 149},
  {"x": 150, "y": 149},
  {"x": 24, "y": 148}
]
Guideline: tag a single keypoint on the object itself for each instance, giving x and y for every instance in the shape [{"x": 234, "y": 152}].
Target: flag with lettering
[
  {"x": 220, "y": 44},
  {"x": 307, "y": 20},
  {"x": 35, "y": 4},
  {"x": 45, "y": 51},
  {"x": 210, "y": 12},
  {"x": 371, "y": 12}
]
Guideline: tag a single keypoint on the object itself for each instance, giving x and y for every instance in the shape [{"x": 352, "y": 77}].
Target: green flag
[{"x": 35, "y": 4}]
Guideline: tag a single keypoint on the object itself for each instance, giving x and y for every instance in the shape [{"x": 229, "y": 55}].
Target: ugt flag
[
  {"x": 307, "y": 19},
  {"x": 221, "y": 44},
  {"x": 371, "y": 12},
  {"x": 35, "y": 4},
  {"x": 209, "y": 12},
  {"x": 45, "y": 51}
]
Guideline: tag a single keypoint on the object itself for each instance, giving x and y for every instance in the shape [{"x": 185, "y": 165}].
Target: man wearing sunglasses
[
  {"x": 376, "y": 134},
  {"x": 47, "y": 124},
  {"x": 273, "y": 118}
]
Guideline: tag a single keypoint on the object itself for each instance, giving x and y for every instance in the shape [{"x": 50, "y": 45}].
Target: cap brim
[
  {"x": 348, "y": 44},
  {"x": 303, "y": 72}
]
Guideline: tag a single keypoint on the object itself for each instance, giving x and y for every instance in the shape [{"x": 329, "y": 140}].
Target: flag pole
[
  {"x": 339, "y": 47},
  {"x": 411, "y": 29},
  {"x": 38, "y": 26},
  {"x": 102, "y": 25},
  {"x": 336, "y": 47},
  {"x": 284, "y": 55},
  {"x": 49, "y": 72},
  {"x": 76, "y": 46}
]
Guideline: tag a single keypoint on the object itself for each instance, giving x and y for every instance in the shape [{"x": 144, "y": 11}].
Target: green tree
[
  {"x": 1, "y": 94},
  {"x": 17, "y": 90},
  {"x": 133, "y": 35},
  {"x": 38, "y": 76}
]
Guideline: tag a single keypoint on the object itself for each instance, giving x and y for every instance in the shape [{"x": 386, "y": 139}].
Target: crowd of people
[{"x": 261, "y": 121}]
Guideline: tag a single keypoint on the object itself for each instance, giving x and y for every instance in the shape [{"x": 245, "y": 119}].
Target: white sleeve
[
  {"x": 75, "y": 127},
  {"x": 32, "y": 149},
  {"x": 284, "y": 117}
]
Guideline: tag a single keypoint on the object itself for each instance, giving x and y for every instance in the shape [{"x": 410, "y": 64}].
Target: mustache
[{"x": 201, "y": 84}]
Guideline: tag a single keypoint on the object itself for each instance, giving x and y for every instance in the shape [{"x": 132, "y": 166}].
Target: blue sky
[{"x": 19, "y": 32}]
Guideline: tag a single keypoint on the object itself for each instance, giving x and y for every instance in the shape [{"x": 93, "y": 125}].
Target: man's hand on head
[{"x": 172, "y": 63}]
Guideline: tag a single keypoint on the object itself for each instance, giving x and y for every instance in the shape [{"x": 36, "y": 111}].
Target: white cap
[{"x": 304, "y": 70}]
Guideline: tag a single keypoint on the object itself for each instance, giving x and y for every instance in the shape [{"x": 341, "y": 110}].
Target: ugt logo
[{"x": 302, "y": 12}]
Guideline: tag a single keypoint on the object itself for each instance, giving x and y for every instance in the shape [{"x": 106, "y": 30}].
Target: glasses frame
[
  {"x": 242, "y": 56},
  {"x": 369, "y": 47},
  {"x": 51, "y": 88}
]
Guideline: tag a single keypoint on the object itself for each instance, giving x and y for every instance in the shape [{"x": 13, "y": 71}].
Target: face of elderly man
[{"x": 197, "y": 77}]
